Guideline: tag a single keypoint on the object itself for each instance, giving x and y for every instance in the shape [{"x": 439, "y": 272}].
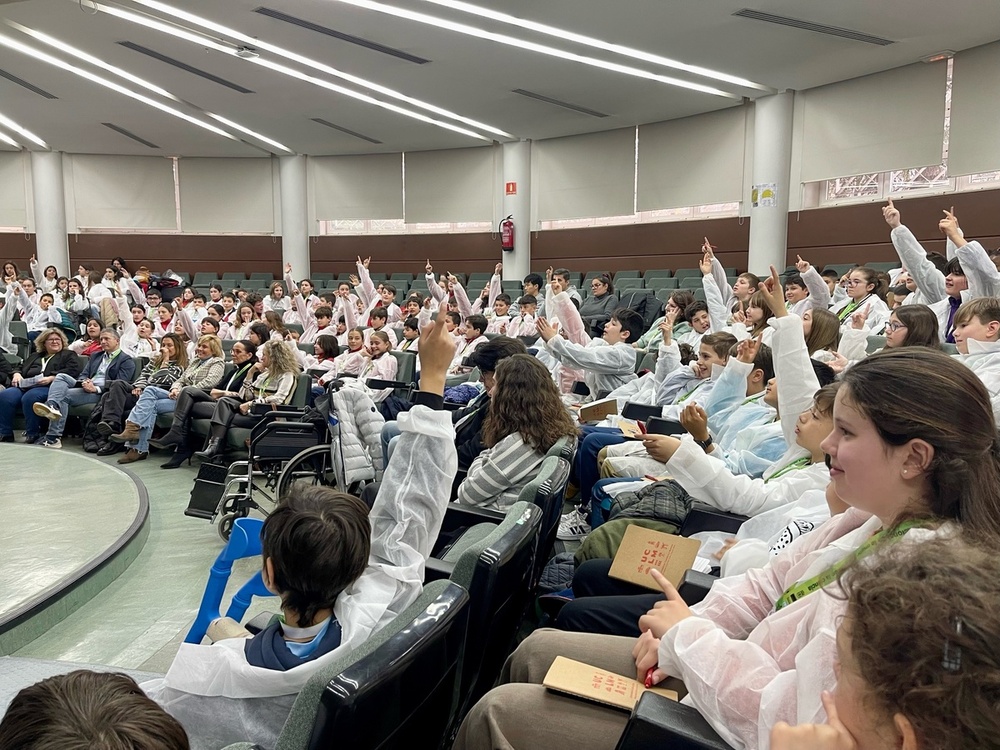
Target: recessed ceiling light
[
  {"x": 11, "y": 125},
  {"x": 543, "y": 49},
  {"x": 242, "y": 40},
  {"x": 570, "y": 36}
]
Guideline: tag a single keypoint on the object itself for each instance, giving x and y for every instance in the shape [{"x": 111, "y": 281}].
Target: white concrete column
[
  {"x": 772, "y": 156},
  {"x": 49, "y": 201},
  {"x": 517, "y": 170},
  {"x": 294, "y": 215}
]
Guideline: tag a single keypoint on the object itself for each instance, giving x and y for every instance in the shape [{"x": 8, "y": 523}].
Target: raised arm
[
  {"x": 928, "y": 279},
  {"x": 433, "y": 288},
  {"x": 819, "y": 292},
  {"x": 134, "y": 289},
  {"x": 461, "y": 298},
  {"x": 190, "y": 329},
  {"x": 367, "y": 290}
]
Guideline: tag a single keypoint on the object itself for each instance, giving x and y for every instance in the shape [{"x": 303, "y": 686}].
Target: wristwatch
[{"x": 703, "y": 444}]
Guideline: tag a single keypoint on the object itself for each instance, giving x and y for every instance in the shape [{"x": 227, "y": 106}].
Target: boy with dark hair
[
  {"x": 217, "y": 692},
  {"x": 501, "y": 314},
  {"x": 411, "y": 335},
  {"x": 524, "y": 323},
  {"x": 378, "y": 318},
  {"x": 475, "y": 328},
  {"x": 84, "y": 709},
  {"x": 607, "y": 362}
]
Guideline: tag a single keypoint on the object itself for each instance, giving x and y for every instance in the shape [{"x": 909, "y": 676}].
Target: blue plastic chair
[{"x": 244, "y": 541}]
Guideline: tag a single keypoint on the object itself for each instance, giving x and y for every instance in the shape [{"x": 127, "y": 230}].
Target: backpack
[
  {"x": 93, "y": 440},
  {"x": 644, "y": 302}
]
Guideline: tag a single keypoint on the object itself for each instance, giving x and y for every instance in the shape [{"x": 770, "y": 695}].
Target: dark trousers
[
  {"x": 117, "y": 401},
  {"x": 604, "y": 604},
  {"x": 192, "y": 403},
  {"x": 226, "y": 415}
]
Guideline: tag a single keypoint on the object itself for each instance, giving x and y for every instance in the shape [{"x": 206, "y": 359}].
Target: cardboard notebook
[
  {"x": 591, "y": 683},
  {"x": 598, "y": 410},
  {"x": 642, "y": 549}
]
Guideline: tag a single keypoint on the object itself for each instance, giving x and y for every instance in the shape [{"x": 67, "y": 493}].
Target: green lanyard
[
  {"x": 687, "y": 395},
  {"x": 804, "y": 588},
  {"x": 262, "y": 388},
  {"x": 796, "y": 464},
  {"x": 851, "y": 307}
]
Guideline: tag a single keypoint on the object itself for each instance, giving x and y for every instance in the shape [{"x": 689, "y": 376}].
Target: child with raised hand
[
  {"x": 806, "y": 290},
  {"x": 737, "y": 295},
  {"x": 219, "y": 692},
  {"x": 917, "y": 664}
]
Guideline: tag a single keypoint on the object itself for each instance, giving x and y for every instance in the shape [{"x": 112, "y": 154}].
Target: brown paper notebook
[
  {"x": 642, "y": 549},
  {"x": 584, "y": 681},
  {"x": 598, "y": 410}
]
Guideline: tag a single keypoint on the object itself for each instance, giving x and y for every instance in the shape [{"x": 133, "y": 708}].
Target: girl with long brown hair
[{"x": 526, "y": 419}]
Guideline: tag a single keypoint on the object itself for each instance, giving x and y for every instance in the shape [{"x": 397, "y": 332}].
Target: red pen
[{"x": 649, "y": 677}]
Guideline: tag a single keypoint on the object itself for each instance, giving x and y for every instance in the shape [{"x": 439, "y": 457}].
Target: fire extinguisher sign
[{"x": 511, "y": 188}]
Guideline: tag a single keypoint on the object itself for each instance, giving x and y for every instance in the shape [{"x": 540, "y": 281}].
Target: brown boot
[
  {"x": 131, "y": 456},
  {"x": 129, "y": 435}
]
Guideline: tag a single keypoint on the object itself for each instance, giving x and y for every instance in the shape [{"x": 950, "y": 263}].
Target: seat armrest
[
  {"x": 661, "y": 722},
  {"x": 641, "y": 412},
  {"x": 705, "y": 518},
  {"x": 695, "y": 586},
  {"x": 435, "y": 570},
  {"x": 458, "y": 516},
  {"x": 377, "y": 385}
]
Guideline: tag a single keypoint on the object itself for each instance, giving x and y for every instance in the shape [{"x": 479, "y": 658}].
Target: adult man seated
[{"x": 111, "y": 363}]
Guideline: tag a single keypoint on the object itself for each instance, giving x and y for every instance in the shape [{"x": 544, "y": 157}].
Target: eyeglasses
[
  {"x": 855, "y": 282},
  {"x": 895, "y": 326}
]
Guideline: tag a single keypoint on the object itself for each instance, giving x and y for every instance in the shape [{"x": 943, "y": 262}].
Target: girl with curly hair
[{"x": 526, "y": 419}]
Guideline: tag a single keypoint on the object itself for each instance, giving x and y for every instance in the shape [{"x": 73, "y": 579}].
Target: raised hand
[
  {"x": 545, "y": 329},
  {"x": 288, "y": 269},
  {"x": 802, "y": 265},
  {"x": 695, "y": 421},
  {"x": 355, "y": 281},
  {"x": 746, "y": 350},
  {"x": 428, "y": 268},
  {"x": 859, "y": 318},
  {"x": 705, "y": 265},
  {"x": 773, "y": 294},
  {"x": 708, "y": 248},
  {"x": 498, "y": 268},
  {"x": 891, "y": 215},
  {"x": 949, "y": 224},
  {"x": 548, "y": 273}
]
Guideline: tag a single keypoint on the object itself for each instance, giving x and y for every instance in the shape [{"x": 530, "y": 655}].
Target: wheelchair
[{"x": 258, "y": 482}]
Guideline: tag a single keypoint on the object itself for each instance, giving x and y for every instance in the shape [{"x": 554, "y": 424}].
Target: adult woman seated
[
  {"x": 525, "y": 420},
  {"x": 270, "y": 381},
  {"x": 121, "y": 395},
  {"x": 198, "y": 403},
  {"x": 204, "y": 371},
  {"x": 30, "y": 383},
  {"x": 598, "y": 308}
]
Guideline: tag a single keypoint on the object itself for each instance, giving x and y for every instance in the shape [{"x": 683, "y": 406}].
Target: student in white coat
[
  {"x": 864, "y": 287},
  {"x": 977, "y": 337},
  {"x": 761, "y": 647},
  {"x": 942, "y": 292},
  {"x": 806, "y": 290}
]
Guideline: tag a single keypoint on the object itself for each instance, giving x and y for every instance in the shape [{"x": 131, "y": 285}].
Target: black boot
[
  {"x": 180, "y": 456},
  {"x": 175, "y": 438},
  {"x": 213, "y": 449},
  {"x": 178, "y": 434}
]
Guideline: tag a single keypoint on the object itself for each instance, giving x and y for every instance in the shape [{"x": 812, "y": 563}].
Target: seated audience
[{"x": 598, "y": 308}]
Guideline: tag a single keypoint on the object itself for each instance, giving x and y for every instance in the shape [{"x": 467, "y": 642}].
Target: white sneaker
[
  {"x": 51, "y": 443},
  {"x": 45, "y": 411},
  {"x": 573, "y": 526}
]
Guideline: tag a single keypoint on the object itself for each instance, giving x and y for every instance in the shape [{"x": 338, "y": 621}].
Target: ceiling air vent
[
  {"x": 356, "y": 134},
  {"x": 558, "y": 103},
  {"x": 24, "y": 84},
  {"x": 128, "y": 134},
  {"x": 185, "y": 67},
  {"x": 819, "y": 28},
  {"x": 277, "y": 15}
]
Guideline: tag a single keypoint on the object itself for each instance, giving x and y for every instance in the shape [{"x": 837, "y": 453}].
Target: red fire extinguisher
[{"x": 507, "y": 233}]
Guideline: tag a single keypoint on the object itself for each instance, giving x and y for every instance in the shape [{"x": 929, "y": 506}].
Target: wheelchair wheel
[
  {"x": 313, "y": 466},
  {"x": 225, "y": 525}
]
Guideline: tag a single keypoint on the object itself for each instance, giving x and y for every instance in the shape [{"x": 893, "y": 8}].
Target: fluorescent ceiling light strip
[
  {"x": 315, "y": 65},
  {"x": 597, "y": 43},
  {"x": 204, "y": 41},
  {"x": 462, "y": 28},
  {"x": 248, "y": 131},
  {"x": 11, "y": 125},
  {"x": 7, "y": 139},
  {"x": 97, "y": 62},
  {"x": 44, "y": 57}
]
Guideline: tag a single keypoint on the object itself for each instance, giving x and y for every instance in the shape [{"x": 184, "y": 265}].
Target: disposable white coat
[{"x": 212, "y": 689}]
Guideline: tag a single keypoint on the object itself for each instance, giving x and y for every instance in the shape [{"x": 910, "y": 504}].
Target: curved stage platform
[{"x": 70, "y": 526}]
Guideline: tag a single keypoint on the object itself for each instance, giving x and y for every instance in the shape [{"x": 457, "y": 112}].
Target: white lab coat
[
  {"x": 984, "y": 360},
  {"x": 747, "y": 667},
  {"x": 212, "y": 689}
]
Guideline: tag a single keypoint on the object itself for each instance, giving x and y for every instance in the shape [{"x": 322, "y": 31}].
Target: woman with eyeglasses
[
  {"x": 866, "y": 290},
  {"x": 598, "y": 308}
]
